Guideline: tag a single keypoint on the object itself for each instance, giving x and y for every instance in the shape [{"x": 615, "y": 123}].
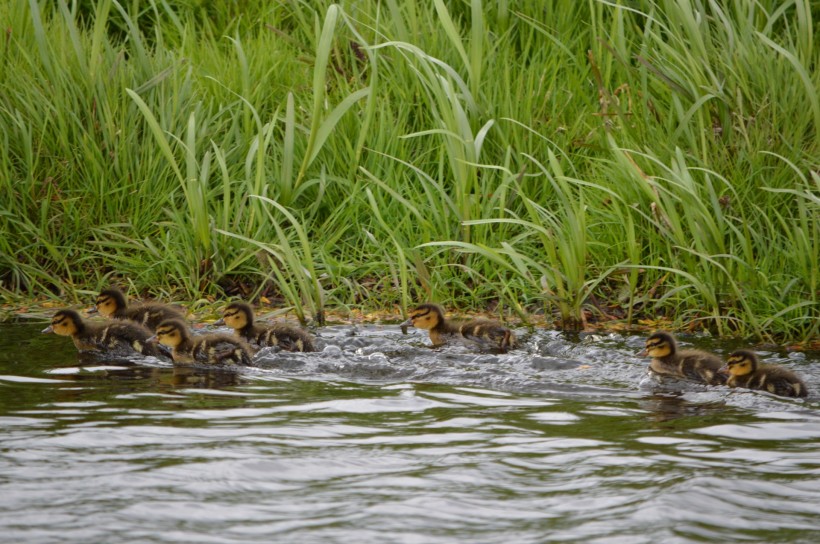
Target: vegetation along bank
[{"x": 579, "y": 162}]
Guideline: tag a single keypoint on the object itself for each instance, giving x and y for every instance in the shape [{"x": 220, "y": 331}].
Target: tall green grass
[{"x": 586, "y": 160}]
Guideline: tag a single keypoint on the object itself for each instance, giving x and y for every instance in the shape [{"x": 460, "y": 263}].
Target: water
[{"x": 381, "y": 439}]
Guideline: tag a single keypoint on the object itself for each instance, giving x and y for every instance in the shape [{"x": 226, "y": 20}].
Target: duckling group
[
  {"x": 742, "y": 368},
  {"x": 143, "y": 328}
]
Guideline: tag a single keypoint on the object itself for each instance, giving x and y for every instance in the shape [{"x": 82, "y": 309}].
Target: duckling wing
[
  {"x": 779, "y": 382},
  {"x": 490, "y": 333},
  {"x": 124, "y": 337},
  {"x": 151, "y": 315},
  {"x": 785, "y": 388},
  {"x": 222, "y": 349},
  {"x": 290, "y": 338},
  {"x": 699, "y": 373},
  {"x": 702, "y": 367}
]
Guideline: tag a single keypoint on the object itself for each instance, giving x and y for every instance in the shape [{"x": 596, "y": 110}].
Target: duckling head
[
  {"x": 65, "y": 323},
  {"x": 425, "y": 316},
  {"x": 741, "y": 362},
  {"x": 236, "y": 315},
  {"x": 660, "y": 344},
  {"x": 171, "y": 333},
  {"x": 109, "y": 301}
]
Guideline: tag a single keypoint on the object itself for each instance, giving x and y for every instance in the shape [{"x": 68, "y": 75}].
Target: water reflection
[
  {"x": 670, "y": 406},
  {"x": 205, "y": 378},
  {"x": 94, "y": 368}
]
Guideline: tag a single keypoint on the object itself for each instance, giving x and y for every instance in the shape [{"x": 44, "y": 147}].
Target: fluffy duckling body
[
  {"x": 112, "y": 303},
  {"x": 239, "y": 316},
  {"x": 119, "y": 336},
  {"x": 745, "y": 370},
  {"x": 487, "y": 332},
  {"x": 690, "y": 364},
  {"x": 208, "y": 348}
]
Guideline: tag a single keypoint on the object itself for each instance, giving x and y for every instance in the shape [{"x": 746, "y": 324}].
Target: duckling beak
[
  {"x": 152, "y": 340},
  {"x": 47, "y": 330},
  {"x": 219, "y": 322},
  {"x": 644, "y": 353},
  {"x": 724, "y": 370},
  {"x": 404, "y": 326},
  {"x": 91, "y": 311}
]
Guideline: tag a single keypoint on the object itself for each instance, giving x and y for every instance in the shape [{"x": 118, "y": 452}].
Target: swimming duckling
[
  {"x": 483, "y": 331},
  {"x": 239, "y": 316},
  {"x": 691, "y": 364},
  {"x": 113, "y": 304},
  {"x": 746, "y": 371},
  {"x": 207, "y": 348},
  {"x": 123, "y": 336}
]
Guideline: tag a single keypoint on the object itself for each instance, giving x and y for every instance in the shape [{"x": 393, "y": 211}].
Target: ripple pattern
[{"x": 379, "y": 438}]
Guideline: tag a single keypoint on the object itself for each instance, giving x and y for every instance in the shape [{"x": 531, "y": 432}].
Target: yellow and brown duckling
[
  {"x": 112, "y": 303},
  {"x": 221, "y": 349},
  {"x": 485, "y": 332},
  {"x": 690, "y": 364},
  {"x": 118, "y": 336},
  {"x": 745, "y": 370},
  {"x": 239, "y": 316}
]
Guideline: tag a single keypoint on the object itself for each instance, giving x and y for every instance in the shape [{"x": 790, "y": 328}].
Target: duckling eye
[{"x": 420, "y": 316}]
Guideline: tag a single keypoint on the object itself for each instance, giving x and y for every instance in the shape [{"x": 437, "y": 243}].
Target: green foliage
[{"x": 643, "y": 159}]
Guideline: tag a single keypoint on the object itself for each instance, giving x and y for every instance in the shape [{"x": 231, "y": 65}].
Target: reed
[{"x": 590, "y": 160}]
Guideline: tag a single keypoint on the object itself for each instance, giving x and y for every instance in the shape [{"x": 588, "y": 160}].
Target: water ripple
[{"x": 380, "y": 438}]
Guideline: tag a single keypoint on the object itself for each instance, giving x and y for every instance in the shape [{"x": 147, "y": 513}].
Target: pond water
[{"x": 379, "y": 438}]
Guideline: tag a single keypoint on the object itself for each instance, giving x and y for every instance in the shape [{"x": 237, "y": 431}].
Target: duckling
[
  {"x": 689, "y": 363},
  {"x": 123, "y": 336},
  {"x": 208, "y": 348},
  {"x": 239, "y": 316},
  {"x": 112, "y": 303},
  {"x": 482, "y": 331},
  {"x": 746, "y": 371}
]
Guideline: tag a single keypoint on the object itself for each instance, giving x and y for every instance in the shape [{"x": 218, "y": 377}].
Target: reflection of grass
[{"x": 585, "y": 159}]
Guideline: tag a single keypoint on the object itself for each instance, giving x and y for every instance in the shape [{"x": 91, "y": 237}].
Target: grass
[{"x": 626, "y": 162}]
